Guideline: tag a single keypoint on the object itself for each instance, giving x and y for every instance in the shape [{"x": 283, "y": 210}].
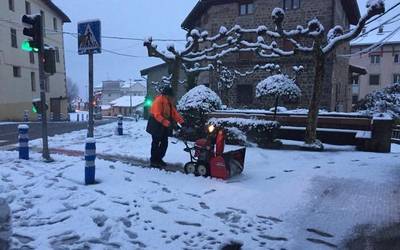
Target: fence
[{"x": 396, "y": 134}]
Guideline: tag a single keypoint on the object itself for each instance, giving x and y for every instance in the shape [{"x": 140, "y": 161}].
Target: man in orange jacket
[{"x": 163, "y": 114}]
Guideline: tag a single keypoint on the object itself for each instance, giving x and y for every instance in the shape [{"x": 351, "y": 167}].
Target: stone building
[
  {"x": 19, "y": 74},
  {"x": 211, "y": 14}
]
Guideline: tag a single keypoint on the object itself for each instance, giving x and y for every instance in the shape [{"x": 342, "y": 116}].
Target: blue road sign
[{"x": 89, "y": 37}]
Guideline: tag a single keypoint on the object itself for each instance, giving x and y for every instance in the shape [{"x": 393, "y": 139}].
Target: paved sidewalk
[{"x": 5, "y": 229}]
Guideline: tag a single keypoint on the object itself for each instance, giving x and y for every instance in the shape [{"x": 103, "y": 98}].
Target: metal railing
[{"x": 396, "y": 134}]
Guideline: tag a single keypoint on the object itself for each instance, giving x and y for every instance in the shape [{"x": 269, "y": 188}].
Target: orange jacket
[{"x": 164, "y": 111}]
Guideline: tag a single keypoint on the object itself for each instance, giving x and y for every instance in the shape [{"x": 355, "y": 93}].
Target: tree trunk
[
  {"x": 276, "y": 106},
  {"x": 176, "y": 68},
  {"x": 311, "y": 132}
]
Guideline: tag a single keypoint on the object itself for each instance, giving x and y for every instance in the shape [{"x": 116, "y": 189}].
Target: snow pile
[
  {"x": 376, "y": 6},
  {"x": 335, "y": 32},
  {"x": 125, "y": 101},
  {"x": 242, "y": 122},
  {"x": 235, "y": 136},
  {"x": 200, "y": 98},
  {"x": 278, "y": 86},
  {"x": 386, "y": 100}
]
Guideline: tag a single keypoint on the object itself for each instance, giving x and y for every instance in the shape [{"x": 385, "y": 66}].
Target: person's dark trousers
[{"x": 159, "y": 147}]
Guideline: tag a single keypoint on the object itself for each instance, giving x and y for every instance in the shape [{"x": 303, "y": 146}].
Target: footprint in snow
[
  {"x": 128, "y": 179},
  {"x": 159, "y": 209},
  {"x": 270, "y": 178},
  {"x": 317, "y": 167},
  {"x": 320, "y": 233},
  {"x": 288, "y": 171},
  {"x": 322, "y": 242},
  {"x": 203, "y": 205}
]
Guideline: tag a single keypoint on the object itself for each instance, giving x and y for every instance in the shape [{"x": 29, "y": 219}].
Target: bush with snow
[
  {"x": 200, "y": 98},
  {"x": 262, "y": 132},
  {"x": 278, "y": 86},
  {"x": 386, "y": 100},
  {"x": 195, "y": 105}
]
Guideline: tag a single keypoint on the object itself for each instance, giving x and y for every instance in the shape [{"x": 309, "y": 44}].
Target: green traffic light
[
  {"x": 26, "y": 46},
  {"x": 34, "y": 110},
  {"x": 148, "y": 103}
]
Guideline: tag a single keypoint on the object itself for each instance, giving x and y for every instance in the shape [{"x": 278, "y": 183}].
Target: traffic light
[
  {"x": 35, "y": 31},
  {"x": 37, "y": 106},
  {"x": 148, "y": 102},
  {"x": 49, "y": 61}
]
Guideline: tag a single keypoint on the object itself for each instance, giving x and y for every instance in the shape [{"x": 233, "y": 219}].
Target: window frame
[
  {"x": 14, "y": 38},
  {"x": 375, "y": 75},
  {"x": 292, "y": 4},
  {"x": 31, "y": 57},
  {"x": 57, "y": 54},
  {"x": 373, "y": 59},
  {"x": 33, "y": 81},
  {"x": 396, "y": 76},
  {"x": 11, "y": 5},
  {"x": 28, "y": 8},
  {"x": 17, "y": 71},
  {"x": 55, "y": 24},
  {"x": 246, "y": 9},
  {"x": 396, "y": 58}
]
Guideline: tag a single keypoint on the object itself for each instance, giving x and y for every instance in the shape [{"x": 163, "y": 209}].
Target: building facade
[
  {"x": 111, "y": 90},
  {"x": 382, "y": 64},
  {"x": 19, "y": 75},
  {"x": 210, "y": 15}
]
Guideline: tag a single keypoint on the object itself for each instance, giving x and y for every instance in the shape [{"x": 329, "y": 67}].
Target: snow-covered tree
[
  {"x": 202, "y": 50},
  {"x": 279, "y": 86},
  {"x": 386, "y": 100}
]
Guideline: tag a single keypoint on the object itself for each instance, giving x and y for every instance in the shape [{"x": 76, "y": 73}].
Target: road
[{"x": 9, "y": 132}]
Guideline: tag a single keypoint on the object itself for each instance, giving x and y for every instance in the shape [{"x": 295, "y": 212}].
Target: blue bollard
[
  {"x": 23, "y": 140},
  {"x": 90, "y": 158},
  {"x": 120, "y": 127}
]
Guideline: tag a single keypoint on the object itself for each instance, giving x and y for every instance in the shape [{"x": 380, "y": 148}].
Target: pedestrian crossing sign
[{"x": 89, "y": 37}]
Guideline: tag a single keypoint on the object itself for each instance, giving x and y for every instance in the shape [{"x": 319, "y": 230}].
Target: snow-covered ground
[{"x": 284, "y": 199}]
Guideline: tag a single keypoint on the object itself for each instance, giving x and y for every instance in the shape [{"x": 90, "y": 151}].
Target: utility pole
[
  {"x": 130, "y": 97},
  {"x": 91, "y": 98},
  {"x": 37, "y": 45}
]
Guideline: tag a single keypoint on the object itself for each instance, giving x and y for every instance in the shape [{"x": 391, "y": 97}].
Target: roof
[
  {"x": 350, "y": 7},
  {"x": 59, "y": 12},
  {"x": 125, "y": 101},
  {"x": 146, "y": 71},
  {"x": 357, "y": 69}
]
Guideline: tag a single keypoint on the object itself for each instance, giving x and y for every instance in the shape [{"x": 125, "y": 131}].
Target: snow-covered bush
[
  {"x": 200, "y": 98},
  {"x": 235, "y": 136},
  {"x": 386, "y": 100},
  {"x": 278, "y": 86},
  {"x": 195, "y": 105},
  {"x": 262, "y": 132}
]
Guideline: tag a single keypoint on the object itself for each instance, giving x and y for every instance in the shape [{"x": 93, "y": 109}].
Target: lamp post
[{"x": 130, "y": 97}]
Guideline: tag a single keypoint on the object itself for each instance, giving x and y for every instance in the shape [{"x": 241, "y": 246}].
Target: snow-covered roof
[
  {"x": 390, "y": 22},
  {"x": 125, "y": 101},
  {"x": 105, "y": 107}
]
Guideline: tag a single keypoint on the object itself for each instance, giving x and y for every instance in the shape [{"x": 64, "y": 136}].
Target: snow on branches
[
  {"x": 278, "y": 86},
  {"x": 200, "y": 98}
]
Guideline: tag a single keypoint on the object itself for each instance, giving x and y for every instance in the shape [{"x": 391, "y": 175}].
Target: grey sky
[{"x": 126, "y": 18}]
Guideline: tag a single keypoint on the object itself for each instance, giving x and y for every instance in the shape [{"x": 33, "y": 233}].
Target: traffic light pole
[
  {"x": 42, "y": 79},
  {"x": 91, "y": 98}
]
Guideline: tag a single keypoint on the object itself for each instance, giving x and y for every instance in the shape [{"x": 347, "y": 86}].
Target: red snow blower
[{"x": 207, "y": 157}]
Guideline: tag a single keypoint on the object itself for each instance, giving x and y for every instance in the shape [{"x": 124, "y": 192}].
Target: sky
[{"x": 126, "y": 18}]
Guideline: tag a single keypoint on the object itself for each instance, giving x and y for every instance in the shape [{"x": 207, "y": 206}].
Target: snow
[
  {"x": 125, "y": 101},
  {"x": 23, "y": 126},
  {"x": 200, "y": 98},
  {"x": 281, "y": 194},
  {"x": 335, "y": 32},
  {"x": 105, "y": 107},
  {"x": 241, "y": 122},
  {"x": 278, "y": 85}
]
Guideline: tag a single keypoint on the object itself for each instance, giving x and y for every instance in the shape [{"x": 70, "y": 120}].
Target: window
[
  {"x": 244, "y": 94},
  {"x": 17, "y": 71},
  {"x": 246, "y": 9},
  {"x": 33, "y": 81},
  {"x": 28, "y": 10},
  {"x": 14, "y": 42},
  {"x": 11, "y": 5},
  {"x": 57, "y": 54},
  {"x": 355, "y": 99},
  {"x": 46, "y": 85},
  {"x": 31, "y": 57},
  {"x": 55, "y": 26},
  {"x": 396, "y": 78},
  {"x": 375, "y": 59},
  {"x": 355, "y": 79},
  {"x": 374, "y": 79},
  {"x": 44, "y": 22},
  {"x": 291, "y": 4},
  {"x": 397, "y": 58}
]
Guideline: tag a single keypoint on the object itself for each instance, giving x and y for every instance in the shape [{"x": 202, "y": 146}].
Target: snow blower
[{"x": 207, "y": 157}]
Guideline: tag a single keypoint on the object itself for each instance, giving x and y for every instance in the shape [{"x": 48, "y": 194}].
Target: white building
[
  {"x": 126, "y": 105},
  {"x": 19, "y": 76}
]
